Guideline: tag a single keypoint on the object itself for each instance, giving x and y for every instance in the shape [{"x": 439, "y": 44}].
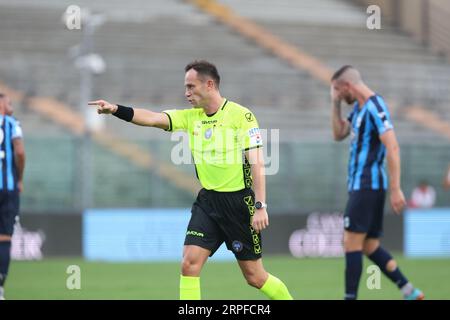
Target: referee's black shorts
[
  {"x": 225, "y": 216},
  {"x": 365, "y": 211}
]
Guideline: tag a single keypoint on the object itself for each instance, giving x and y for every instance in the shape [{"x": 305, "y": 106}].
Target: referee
[{"x": 225, "y": 142}]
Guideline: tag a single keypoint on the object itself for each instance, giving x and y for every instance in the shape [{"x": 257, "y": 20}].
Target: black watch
[{"x": 260, "y": 205}]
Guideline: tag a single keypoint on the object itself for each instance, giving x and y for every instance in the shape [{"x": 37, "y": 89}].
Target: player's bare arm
[
  {"x": 341, "y": 127},
  {"x": 255, "y": 156},
  {"x": 141, "y": 117},
  {"x": 389, "y": 139},
  {"x": 19, "y": 158}
]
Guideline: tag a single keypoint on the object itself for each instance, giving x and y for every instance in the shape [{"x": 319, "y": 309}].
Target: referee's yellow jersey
[{"x": 218, "y": 143}]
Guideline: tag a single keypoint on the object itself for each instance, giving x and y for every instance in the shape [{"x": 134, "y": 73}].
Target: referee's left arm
[{"x": 256, "y": 159}]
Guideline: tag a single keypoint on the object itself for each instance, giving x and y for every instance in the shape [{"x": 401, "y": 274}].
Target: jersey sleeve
[
  {"x": 178, "y": 119},
  {"x": 380, "y": 115},
  {"x": 250, "y": 134},
  {"x": 16, "y": 130}
]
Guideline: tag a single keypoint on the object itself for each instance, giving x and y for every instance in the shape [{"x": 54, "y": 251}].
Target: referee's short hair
[{"x": 204, "y": 68}]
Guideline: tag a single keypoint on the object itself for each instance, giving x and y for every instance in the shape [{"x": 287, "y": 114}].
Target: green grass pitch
[{"x": 305, "y": 278}]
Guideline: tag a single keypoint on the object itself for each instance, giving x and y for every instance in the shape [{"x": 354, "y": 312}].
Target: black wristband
[{"x": 124, "y": 113}]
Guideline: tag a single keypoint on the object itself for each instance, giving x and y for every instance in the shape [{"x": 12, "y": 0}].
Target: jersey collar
[{"x": 221, "y": 108}]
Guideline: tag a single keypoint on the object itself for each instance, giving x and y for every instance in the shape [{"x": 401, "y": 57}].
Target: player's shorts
[
  {"x": 9, "y": 209},
  {"x": 219, "y": 217},
  {"x": 364, "y": 212}
]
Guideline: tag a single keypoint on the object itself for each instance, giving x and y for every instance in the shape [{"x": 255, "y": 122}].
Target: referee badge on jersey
[
  {"x": 237, "y": 246},
  {"x": 208, "y": 133}
]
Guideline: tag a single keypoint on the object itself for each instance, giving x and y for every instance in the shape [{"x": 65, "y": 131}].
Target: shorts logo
[
  {"x": 195, "y": 233},
  {"x": 237, "y": 246},
  {"x": 208, "y": 133},
  {"x": 346, "y": 222}
]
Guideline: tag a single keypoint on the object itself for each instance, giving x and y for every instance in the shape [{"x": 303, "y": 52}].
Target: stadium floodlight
[
  {"x": 92, "y": 62},
  {"x": 89, "y": 64},
  {"x": 85, "y": 60}
]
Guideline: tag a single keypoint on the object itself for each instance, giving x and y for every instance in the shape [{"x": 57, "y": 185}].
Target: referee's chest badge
[
  {"x": 237, "y": 246},
  {"x": 208, "y": 133}
]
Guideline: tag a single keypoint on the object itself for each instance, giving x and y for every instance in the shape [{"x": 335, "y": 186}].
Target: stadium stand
[{"x": 146, "y": 46}]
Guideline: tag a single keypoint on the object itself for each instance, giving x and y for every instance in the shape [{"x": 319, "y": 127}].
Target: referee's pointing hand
[{"x": 103, "y": 106}]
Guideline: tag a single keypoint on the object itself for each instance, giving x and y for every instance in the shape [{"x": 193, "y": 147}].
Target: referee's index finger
[{"x": 96, "y": 103}]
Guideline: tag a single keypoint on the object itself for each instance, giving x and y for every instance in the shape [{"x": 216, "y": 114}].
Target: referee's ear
[{"x": 210, "y": 84}]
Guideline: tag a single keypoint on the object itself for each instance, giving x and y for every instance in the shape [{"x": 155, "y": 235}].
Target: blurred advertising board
[
  {"x": 427, "y": 233},
  {"x": 138, "y": 235},
  {"x": 41, "y": 235}
]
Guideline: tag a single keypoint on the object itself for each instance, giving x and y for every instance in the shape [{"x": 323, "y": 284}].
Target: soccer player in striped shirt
[
  {"x": 12, "y": 159},
  {"x": 373, "y": 140}
]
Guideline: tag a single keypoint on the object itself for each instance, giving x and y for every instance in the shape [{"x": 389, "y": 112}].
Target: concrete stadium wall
[
  {"x": 426, "y": 20},
  {"x": 411, "y": 17},
  {"x": 389, "y": 8},
  {"x": 439, "y": 26}
]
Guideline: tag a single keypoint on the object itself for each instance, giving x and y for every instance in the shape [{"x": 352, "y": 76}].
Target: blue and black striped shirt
[
  {"x": 10, "y": 130},
  {"x": 366, "y": 169}
]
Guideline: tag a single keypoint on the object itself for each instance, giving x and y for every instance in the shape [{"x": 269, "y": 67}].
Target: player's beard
[{"x": 349, "y": 99}]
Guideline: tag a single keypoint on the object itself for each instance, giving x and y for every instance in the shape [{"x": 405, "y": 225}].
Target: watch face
[{"x": 258, "y": 205}]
